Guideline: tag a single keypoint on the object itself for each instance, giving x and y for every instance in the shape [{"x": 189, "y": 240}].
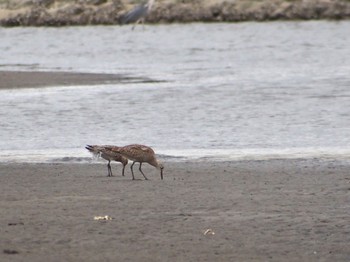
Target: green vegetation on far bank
[{"x": 87, "y": 12}]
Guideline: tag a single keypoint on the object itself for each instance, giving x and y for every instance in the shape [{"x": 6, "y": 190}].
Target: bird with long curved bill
[{"x": 141, "y": 154}]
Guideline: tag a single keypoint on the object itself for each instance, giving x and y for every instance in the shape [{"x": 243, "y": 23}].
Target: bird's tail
[{"x": 94, "y": 150}]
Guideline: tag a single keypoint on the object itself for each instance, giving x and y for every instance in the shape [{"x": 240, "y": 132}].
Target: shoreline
[
  {"x": 276, "y": 210},
  {"x": 78, "y": 156},
  {"x": 108, "y": 12}
]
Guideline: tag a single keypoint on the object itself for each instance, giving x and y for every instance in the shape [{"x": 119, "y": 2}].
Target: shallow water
[{"x": 226, "y": 91}]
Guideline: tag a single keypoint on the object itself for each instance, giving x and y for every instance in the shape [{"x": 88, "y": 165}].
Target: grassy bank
[{"x": 109, "y": 12}]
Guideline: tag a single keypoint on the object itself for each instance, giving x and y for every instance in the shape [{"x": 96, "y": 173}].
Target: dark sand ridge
[
  {"x": 275, "y": 210},
  {"x": 109, "y": 12},
  {"x": 19, "y": 79}
]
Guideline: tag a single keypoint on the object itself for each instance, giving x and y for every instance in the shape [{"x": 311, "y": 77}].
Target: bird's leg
[
  {"x": 132, "y": 172},
  {"x": 123, "y": 170},
  {"x": 142, "y": 172},
  {"x": 133, "y": 27},
  {"x": 109, "y": 168},
  {"x": 137, "y": 22},
  {"x": 143, "y": 24}
]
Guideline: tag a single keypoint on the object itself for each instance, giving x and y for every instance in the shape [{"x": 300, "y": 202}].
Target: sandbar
[{"x": 273, "y": 210}]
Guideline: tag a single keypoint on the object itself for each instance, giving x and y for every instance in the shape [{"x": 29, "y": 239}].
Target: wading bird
[
  {"x": 140, "y": 154},
  {"x": 106, "y": 153},
  {"x": 138, "y": 14}
]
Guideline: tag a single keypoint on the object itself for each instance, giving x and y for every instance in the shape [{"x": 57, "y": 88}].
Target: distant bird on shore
[
  {"x": 140, "y": 154},
  {"x": 138, "y": 14},
  {"x": 106, "y": 153}
]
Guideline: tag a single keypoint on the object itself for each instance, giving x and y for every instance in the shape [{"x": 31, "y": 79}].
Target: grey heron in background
[{"x": 137, "y": 14}]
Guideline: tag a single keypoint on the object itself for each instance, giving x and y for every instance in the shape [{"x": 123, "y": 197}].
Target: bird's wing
[
  {"x": 141, "y": 148},
  {"x": 111, "y": 152},
  {"x": 134, "y": 15}
]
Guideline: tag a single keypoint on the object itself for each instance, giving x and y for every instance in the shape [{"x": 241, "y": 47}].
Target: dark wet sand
[
  {"x": 30, "y": 79},
  {"x": 276, "y": 210}
]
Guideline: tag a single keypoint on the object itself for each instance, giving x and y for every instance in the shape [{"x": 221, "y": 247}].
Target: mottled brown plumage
[
  {"x": 106, "y": 153},
  {"x": 140, "y": 154}
]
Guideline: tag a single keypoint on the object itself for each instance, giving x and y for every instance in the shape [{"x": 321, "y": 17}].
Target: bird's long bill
[{"x": 161, "y": 173}]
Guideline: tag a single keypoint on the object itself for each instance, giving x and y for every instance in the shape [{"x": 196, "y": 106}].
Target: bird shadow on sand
[{"x": 119, "y": 179}]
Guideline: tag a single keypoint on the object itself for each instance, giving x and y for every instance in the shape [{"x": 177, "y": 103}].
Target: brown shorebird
[
  {"x": 106, "y": 153},
  {"x": 140, "y": 154}
]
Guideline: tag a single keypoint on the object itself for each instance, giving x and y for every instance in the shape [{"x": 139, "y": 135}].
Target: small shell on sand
[
  {"x": 102, "y": 218},
  {"x": 208, "y": 232}
]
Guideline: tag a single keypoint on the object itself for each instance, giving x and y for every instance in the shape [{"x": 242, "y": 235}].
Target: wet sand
[
  {"x": 276, "y": 210},
  {"x": 30, "y": 79}
]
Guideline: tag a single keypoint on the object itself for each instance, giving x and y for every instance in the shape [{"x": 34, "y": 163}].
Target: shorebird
[
  {"x": 140, "y": 154},
  {"x": 137, "y": 14},
  {"x": 106, "y": 153}
]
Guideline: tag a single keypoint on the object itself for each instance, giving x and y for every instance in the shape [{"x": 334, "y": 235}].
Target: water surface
[{"x": 226, "y": 91}]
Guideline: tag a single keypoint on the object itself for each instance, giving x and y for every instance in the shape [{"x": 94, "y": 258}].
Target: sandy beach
[{"x": 275, "y": 210}]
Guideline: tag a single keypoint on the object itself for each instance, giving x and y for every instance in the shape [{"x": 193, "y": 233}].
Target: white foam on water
[
  {"x": 78, "y": 155},
  {"x": 259, "y": 154}
]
